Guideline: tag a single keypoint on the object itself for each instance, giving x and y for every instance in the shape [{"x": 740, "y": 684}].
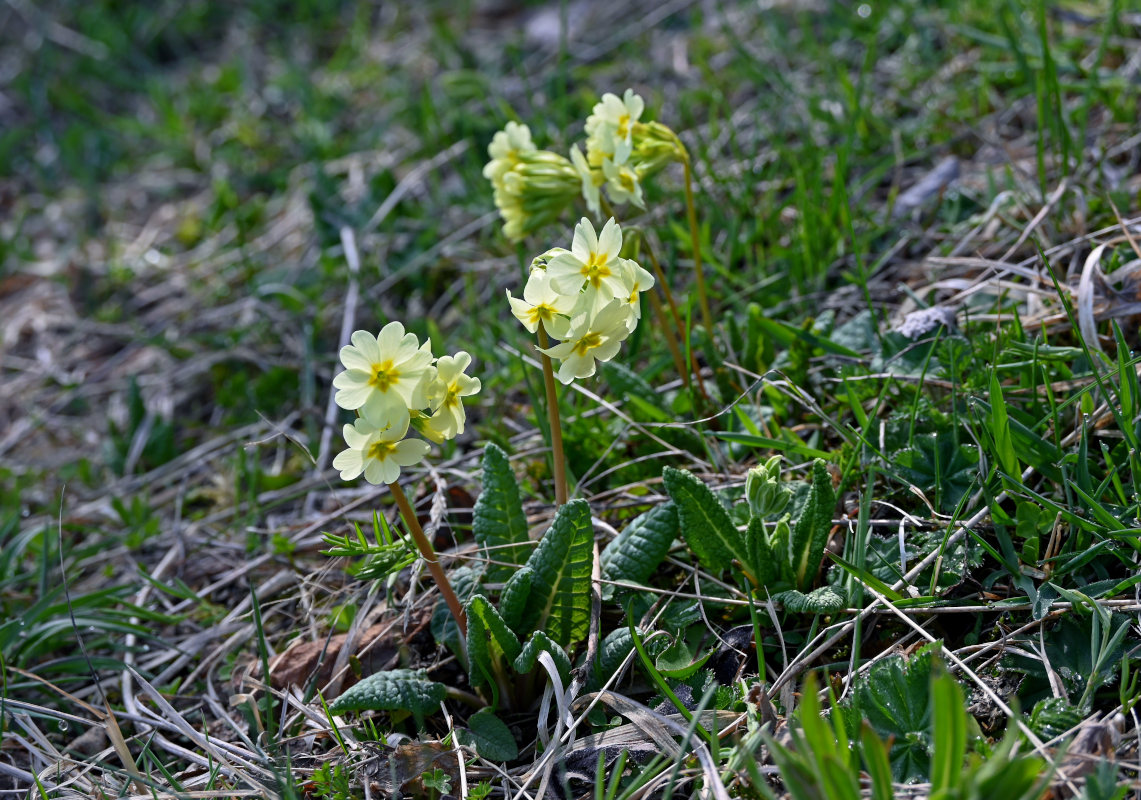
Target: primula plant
[
  {"x": 526, "y": 615},
  {"x": 589, "y": 298},
  {"x": 394, "y": 383}
]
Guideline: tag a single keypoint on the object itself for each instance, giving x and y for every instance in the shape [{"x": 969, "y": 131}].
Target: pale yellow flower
[
  {"x": 505, "y": 150},
  {"x": 378, "y": 451},
  {"x": 590, "y": 180},
  {"x": 622, "y": 183},
  {"x": 445, "y": 395},
  {"x": 540, "y": 261},
  {"x": 637, "y": 280},
  {"x": 610, "y": 128},
  {"x": 541, "y": 303},
  {"x": 384, "y": 374},
  {"x": 593, "y": 261},
  {"x": 592, "y": 338}
]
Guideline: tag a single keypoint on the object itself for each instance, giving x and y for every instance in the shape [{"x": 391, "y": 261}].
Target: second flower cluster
[{"x": 587, "y": 297}]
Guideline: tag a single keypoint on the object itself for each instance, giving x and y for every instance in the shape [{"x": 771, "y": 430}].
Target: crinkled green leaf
[
  {"x": 490, "y": 737},
  {"x": 818, "y": 601},
  {"x": 810, "y": 534},
  {"x": 498, "y": 521},
  {"x": 394, "y": 690},
  {"x": 612, "y": 651},
  {"x": 559, "y": 603},
  {"x": 614, "y": 648},
  {"x": 491, "y": 645},
  {"x": 514, "y": 598},
  {"x": 1054, "y": 716},
  {"x": 638, "y": 550},
  {"x": 705, "y": 523},
  {"x": 541, "y": 643},
  {"x": 939, "y": 466},
  {"x": 895, "y": 697}
]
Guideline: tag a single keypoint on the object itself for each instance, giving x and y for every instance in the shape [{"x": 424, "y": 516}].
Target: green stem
[
  {"x": 467, "y": 698},
  {"x": 671, "y": 337},
  {"x": 431, "y": 559},
  {"x": 662, "y": 282},
  {"x": 557, "y": 457},
  {"x": 699, "y": 272}
]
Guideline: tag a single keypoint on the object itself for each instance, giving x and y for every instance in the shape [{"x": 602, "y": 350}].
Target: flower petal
[
  {"x": 350, "y": 463},
  {"x": 354, "y": 358},
  {"x": 388, "y": 340},
  {"x": 351, "y": 379},
  {"x": 585, "y": 242},
  {"x": 557, "y": 326},
  {"x": 353, "y": 397},
  {"x": 386, "y": 412},
  {"x": 377, "y": 472},
  {"x": 559, "y": 351},
  {"x": 410, "y": 451},
  {"x": 610, "y": 241},
  {"x": 365, "y": 342}
]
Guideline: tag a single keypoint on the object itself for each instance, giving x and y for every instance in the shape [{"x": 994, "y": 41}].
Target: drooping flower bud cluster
[
  {"x": 533, "y": 186},
  {"x": 393, "y": 383},
  {"x": 586, "y": 297}
]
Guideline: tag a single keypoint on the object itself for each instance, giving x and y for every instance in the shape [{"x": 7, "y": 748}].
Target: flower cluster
[
  {"x": 533, "y": 186},
  {"x": 586, "y": 297},
  {"x": 393, "y": 383}
]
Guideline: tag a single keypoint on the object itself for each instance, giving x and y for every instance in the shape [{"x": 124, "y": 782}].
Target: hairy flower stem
[
  {"x": 431, "y": 559},
  {"x": 557, "y": 457},
  {"x": 699, "y": 273}
]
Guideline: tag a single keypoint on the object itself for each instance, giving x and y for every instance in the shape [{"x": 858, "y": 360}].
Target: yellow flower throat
[
  {"x": 595, "y": 270},
  {"x": 451, "y": 398},
  {"x": 587, "y": 343},
  {"x": 381, "y": 450},
  {"x": 383, "y": 375}
]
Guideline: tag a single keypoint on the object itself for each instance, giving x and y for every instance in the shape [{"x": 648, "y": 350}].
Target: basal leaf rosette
[{"x": 394, "y": 383}]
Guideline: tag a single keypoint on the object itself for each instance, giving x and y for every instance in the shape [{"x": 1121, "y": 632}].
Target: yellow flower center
[
  {"x": 595, "y": 269},
  {"x": 380, "y": 450},
  {"x": 384, "y": 375},
  {"x": 623, "y": 125},
  {"x": 588, "y": 343},
  {"x": 452, "y": 397},
  {"x": 541, "y": 313}
]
